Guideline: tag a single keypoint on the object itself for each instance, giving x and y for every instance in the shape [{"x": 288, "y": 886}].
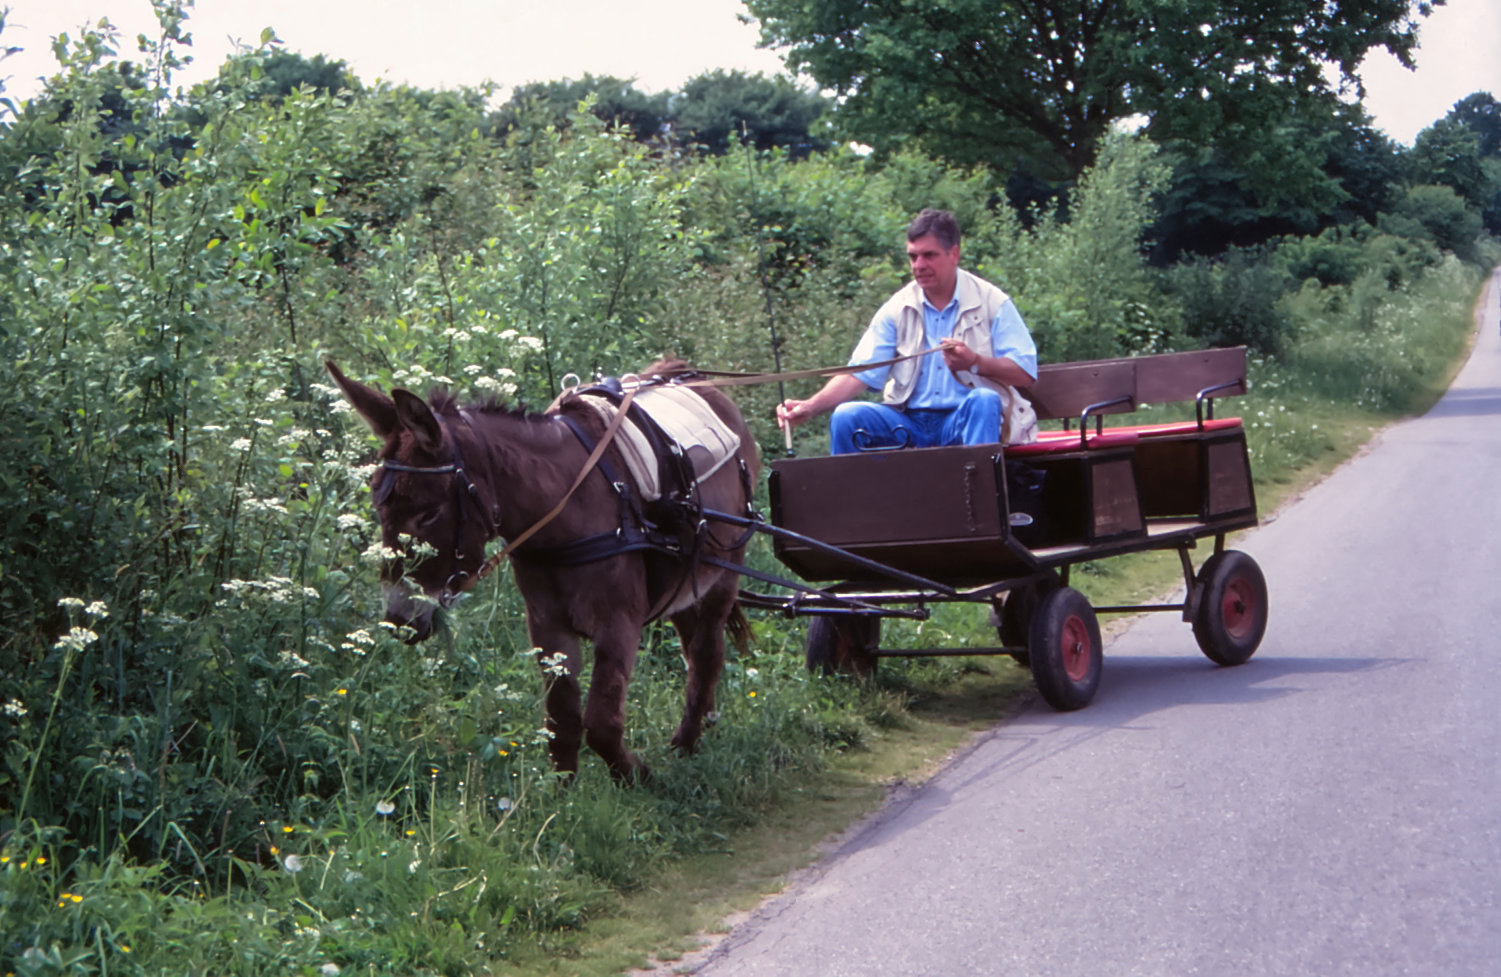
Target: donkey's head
[{"x": 431, "y": 519}]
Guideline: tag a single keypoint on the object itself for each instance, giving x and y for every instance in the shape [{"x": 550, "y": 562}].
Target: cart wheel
[
  {"x": 1066, "y": 652},
  {"x": 1232, "y": 612},
  {"x": 1016, "y": 614},
  {"x": 843, "y": 643}
]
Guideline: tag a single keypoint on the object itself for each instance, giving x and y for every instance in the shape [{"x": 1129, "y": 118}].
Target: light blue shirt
[{"x": 936, "y": 386}]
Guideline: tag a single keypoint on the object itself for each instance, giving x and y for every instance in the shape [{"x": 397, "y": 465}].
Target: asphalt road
[{"x": 1332, "y": 807}]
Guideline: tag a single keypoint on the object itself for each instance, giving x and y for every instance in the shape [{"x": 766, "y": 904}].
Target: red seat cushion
[
  {"x": 1178, "y": 427},
  {"x": 1057, "y": 442}
]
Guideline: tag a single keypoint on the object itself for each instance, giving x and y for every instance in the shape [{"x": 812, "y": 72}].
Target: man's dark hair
[{"x": 939, "y": 223}]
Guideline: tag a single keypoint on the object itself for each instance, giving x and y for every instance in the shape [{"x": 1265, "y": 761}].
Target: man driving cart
[{"x": 966, "y": 395}]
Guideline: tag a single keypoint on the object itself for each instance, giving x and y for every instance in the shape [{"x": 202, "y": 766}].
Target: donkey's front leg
[
  {"x": 604, "y": 712},
  {"x": 561, "y": 662}
]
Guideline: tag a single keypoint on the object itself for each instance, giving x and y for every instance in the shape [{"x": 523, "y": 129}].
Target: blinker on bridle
[{"x": 449, "y": 595}]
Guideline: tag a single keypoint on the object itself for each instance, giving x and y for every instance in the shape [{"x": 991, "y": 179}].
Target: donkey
[{"x": 457, "y": 477}]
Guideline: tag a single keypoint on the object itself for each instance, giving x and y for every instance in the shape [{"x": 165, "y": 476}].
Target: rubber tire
[
  {"x": 1232, "y": 611},
  {"x": 1067, "y": 654},
  {"x": 842, "y": 643},
  {"x": 1015, "y": 629}
]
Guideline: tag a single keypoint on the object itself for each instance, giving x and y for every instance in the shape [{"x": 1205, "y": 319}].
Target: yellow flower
[
  {"x": 287, "y": 829},
  {"x": 341, "y": 692},
  {"x": 751, "y": 696},
  {"x": 41, "y": 859},
  {"x": 411, "y": 831},
  {"x": 75, "y": 897}
]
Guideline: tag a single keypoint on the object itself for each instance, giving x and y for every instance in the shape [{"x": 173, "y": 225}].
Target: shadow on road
[{"x": 1477, "y": 402}]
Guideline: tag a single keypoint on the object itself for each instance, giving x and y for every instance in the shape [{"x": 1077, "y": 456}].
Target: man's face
[{"x": 934, "y": 267}]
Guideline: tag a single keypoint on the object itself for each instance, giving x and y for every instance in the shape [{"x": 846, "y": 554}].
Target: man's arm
[
  {"x": 845, "y": 386},
  {"x": 1002, "y": 369}
]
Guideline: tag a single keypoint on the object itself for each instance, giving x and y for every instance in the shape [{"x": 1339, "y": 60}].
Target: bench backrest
[{"x": 1066, "y": 390}]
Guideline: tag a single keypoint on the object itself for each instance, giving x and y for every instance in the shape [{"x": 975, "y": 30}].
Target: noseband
[{"x": 469, "y": 491}]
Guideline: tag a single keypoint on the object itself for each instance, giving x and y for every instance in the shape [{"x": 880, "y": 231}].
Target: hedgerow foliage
[{"x": 197, "y": 712}]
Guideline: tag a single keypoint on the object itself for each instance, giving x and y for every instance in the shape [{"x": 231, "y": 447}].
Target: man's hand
[
  {"x": 791, "y": 413},
  {"x": 957, "y": 356}
]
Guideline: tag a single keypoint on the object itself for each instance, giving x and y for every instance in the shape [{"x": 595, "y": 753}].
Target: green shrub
[{"x": 1233, "y": 300}]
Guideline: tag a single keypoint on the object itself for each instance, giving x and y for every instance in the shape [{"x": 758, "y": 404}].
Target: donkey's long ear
[
  {"x": 414, "y": 414},
  {"x": 378, "y": 410}
]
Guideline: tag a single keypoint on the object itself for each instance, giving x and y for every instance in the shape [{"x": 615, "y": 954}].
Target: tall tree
[
  {"x": 769, "y": 112},
  {"x": 1042, "y": 81},
  {"x": 1482, "y": 113},
  {"x": 616, "y": 102}
]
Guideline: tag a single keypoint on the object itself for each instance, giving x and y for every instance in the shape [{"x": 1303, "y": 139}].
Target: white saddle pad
[{"x": 683, "y": 416}]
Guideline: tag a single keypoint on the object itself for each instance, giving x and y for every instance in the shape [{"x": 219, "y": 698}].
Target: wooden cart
[{"x": 890, "y": 533}]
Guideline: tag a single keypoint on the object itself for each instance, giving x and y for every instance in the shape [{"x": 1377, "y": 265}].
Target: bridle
[{"x": 464, "y": 488}]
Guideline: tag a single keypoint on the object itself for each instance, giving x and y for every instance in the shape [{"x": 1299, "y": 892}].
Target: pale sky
[{"x": 660, "y": 43}]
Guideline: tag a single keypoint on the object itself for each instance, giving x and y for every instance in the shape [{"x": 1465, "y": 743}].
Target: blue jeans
[{"x": 858, "y": 425}]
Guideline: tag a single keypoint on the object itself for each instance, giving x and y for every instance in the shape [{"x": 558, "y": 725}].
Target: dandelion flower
[
  {"x": 504, "y": 804},
  {"x": 384, "y": 808},
  {"x": 292, "y": 863}
]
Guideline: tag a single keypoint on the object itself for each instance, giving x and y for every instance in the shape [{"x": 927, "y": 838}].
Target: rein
[{"x": 710, "y": 378}]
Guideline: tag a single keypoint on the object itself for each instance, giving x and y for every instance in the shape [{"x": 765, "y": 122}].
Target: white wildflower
[
  {"x": 97, "y": 609},
  {"x": 212, "y": 428},
  {"x": 378, "y": 552},
  {"x": 474, "y": 369},
  {"x": 276, "y": 396},
  {"x": 77, "y": 639},
  {"x": 264, "y": 422},
  {"x": 240, "y": 444},
  {"x": 349, "y": 521},
  {"x": 330, "y": 969},
  {"x": 14, "y": 708},
  {"x": 70, "y": 603}
]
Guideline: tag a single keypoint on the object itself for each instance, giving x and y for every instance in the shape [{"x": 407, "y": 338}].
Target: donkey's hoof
[{"x": 632, "y": 774}]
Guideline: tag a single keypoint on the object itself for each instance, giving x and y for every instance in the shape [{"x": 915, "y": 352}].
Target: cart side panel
[
  {"x": 939, "y": 512},
  {"x": 1196, "y": 475},
  {"x": 1227, "y": 465}
]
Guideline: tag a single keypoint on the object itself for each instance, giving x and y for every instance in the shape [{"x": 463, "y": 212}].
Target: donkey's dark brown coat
[{"x": 515, "y": 467}]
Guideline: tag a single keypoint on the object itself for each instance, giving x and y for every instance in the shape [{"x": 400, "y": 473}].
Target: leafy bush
[{"x": 1233, "y": 300}]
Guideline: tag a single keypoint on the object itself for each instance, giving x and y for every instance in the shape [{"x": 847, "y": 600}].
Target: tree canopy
[{"x": 1040, "y": 82}]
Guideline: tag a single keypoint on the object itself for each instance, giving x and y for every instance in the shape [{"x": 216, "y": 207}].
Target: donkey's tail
[{"x": 740, "y": 629}]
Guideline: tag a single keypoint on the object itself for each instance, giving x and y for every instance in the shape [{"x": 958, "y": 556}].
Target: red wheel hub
[
  {"x": 1238, "y": 607},
  {"x": 1076, "y": 649}
]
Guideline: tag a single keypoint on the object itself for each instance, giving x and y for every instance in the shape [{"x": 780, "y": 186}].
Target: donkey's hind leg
[
  {"x": 604, "y": 710},
  {"x": 701, "y": 629}
]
